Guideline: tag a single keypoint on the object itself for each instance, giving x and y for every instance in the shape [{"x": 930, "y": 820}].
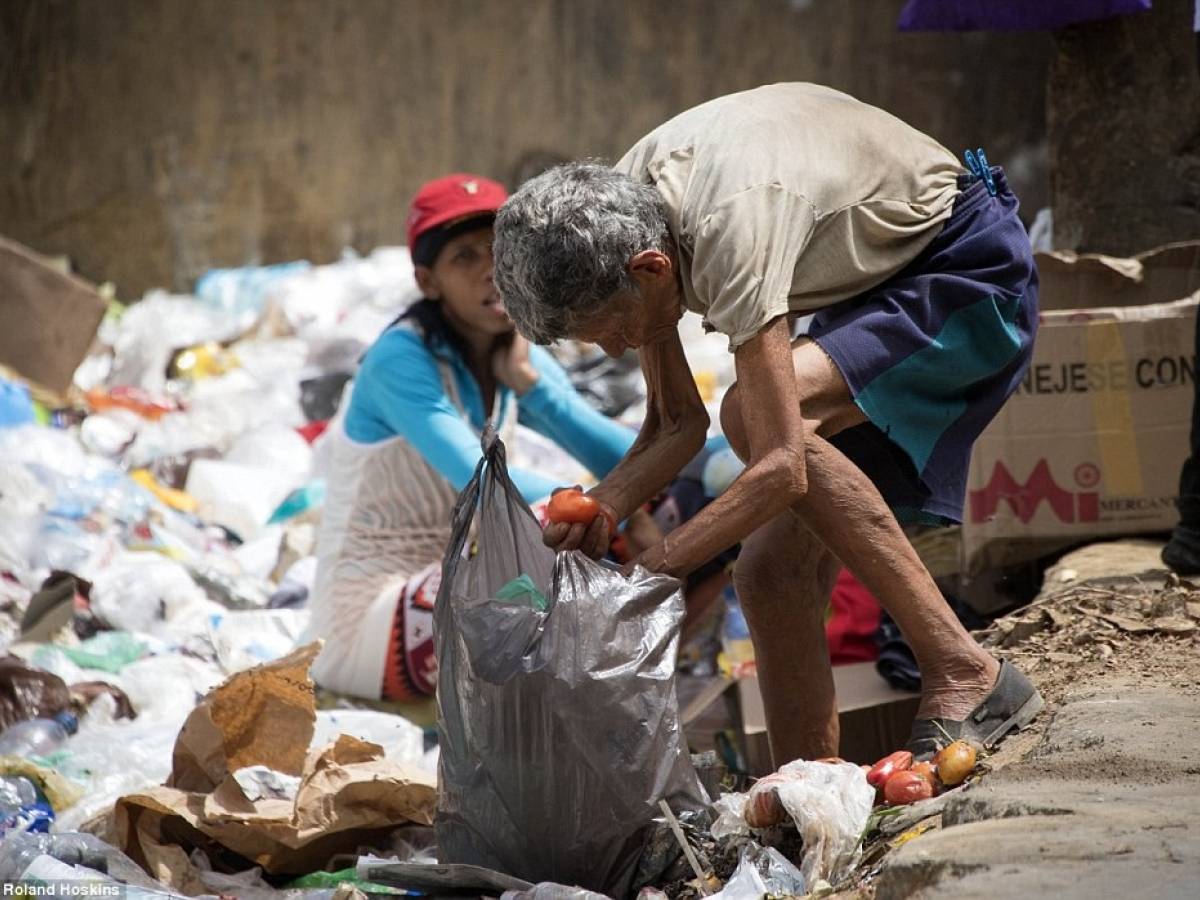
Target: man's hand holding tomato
[{"x": 579, "y": 522}]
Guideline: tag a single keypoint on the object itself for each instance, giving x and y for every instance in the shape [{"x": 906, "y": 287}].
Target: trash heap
[
  {"x": 157, "y": 528},
  {"x": 158, "y": 726}
]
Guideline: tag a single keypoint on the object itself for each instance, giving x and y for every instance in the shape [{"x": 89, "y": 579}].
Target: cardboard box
[
  {"x": 875, "y": 718},
  {"x": 47, "y": 318},
  {"x": 1091, "y": 444}
]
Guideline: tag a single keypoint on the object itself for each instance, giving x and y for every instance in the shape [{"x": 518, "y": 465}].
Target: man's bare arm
[
  {"x": 672, "y": 434},
  {"x": 774, "y": 478}
]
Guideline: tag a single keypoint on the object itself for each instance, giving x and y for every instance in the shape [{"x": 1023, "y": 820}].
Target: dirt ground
[
  {"x": 1093, "y": 622},
  {"x": 1110, "y": 626}
]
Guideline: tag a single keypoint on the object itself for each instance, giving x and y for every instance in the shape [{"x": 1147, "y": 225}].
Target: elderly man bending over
[{"x": 750, "y": 210}]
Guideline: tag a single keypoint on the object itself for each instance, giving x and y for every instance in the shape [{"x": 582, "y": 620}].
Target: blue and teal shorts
[{"x": 932, "y": 353}]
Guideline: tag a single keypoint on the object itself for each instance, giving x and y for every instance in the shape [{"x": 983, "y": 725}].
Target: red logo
[
  {"x": 1024, "y": 499},
  {"x": 1087, "y": 475}
]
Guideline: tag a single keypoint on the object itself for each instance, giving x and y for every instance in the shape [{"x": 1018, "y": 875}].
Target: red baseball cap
[{"x": 452, "y": 197}]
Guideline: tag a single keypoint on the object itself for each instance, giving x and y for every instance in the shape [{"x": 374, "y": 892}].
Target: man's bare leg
[
  {"x": 846, "y": 512},
  {"x": 784, "y": 577}
]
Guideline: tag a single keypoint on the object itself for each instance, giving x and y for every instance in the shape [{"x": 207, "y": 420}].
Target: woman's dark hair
[
  {"x": 427, "y": 314},
  {"x": 431, "y": 322}
]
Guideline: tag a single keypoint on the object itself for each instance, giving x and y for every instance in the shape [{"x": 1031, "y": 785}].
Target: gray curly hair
[{"x": 564, "y": 241}]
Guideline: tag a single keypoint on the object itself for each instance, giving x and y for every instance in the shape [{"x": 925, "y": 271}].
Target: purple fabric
[{"x": 1009, "y": 15}]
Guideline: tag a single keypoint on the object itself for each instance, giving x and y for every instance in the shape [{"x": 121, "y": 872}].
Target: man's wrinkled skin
[{"x": 799, "y": 507}]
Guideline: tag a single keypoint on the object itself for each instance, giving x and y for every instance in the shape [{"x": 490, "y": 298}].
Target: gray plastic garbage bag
[{"x": 559, "y": 729}]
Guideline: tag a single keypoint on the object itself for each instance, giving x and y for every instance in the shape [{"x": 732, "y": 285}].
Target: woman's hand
[{"x": 511, "y": 365}]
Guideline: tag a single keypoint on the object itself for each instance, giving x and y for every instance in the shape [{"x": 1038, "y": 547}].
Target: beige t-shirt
[{"x": 791, "y": 197}]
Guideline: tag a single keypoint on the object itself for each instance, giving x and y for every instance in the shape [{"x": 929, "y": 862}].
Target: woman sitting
[{"x": 408, "y": 440}]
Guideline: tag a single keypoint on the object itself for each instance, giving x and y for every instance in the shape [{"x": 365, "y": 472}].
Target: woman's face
[{"x": 461, "y": 278}]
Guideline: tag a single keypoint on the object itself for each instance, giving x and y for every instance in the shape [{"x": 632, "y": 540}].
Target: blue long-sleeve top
[{"x": 399, "y": 392}]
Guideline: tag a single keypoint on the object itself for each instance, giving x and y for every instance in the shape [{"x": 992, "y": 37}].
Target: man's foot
[
  {"x": 953, "y": 685},
  {"x": 1011, "y": 705}
]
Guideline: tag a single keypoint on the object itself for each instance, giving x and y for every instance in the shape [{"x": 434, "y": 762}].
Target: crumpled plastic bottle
[
  {"x": 16, "y": 791},
  {"x": 37, "y": 737},
  {"x": 18, "y": 850}
]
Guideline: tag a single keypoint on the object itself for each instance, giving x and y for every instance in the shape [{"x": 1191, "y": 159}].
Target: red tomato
[
  {"x": 886, "y": 767},
  {"x": 573, "y": 506},
  {"x": 926, "y": 771},
  {"x": 906, "y": 787}
]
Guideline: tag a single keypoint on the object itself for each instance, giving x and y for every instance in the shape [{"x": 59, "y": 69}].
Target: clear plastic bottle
[{"x": 37, "y": 737}]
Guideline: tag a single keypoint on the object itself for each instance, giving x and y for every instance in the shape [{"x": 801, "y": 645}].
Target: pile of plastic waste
[
  {"x": 157, "y": 528},
  {"x": 157, "y": 532}
]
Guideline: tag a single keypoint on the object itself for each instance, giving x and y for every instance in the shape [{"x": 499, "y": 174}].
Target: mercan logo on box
[{"x": 1025, "y": 497}]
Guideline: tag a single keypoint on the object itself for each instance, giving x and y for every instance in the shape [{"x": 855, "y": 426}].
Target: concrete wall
[
  {"x": 1123, "y": 112},
  {"x": 152, "y": 139}
]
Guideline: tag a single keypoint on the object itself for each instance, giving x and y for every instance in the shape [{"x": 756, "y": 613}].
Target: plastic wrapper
[
  {"x": 172, "y": 497},
  {"x": 762, "y": 872},
  {"x": 18, "y": 851},
  {"x": 72, "y": 485},
  {"x": 29, "y": 693},
  {"x": 241, "y": 293},
  {"x": 240, "y": 497},
  {"x": 202, "y": 361},
  {"x": 300, "y": 501},
  {"x": 224, "y": 581},
  {"x": 611, "y": 385},
  {"x": 148, "y": 333},
  {"x": 50, "y": 448},
  {"x": 166, "y": 687},
  {"x": 829, "y": 803},
  {"x": 264, "y": 783},
  {"x": 549, "y": 891},
  {"x": 48, "y": 487},
  {"x": 147, "y": 592},
  {"x": 50, "y": 657},
  {"x": 23, "y": 503},
  {"x": 559, "y": 729},
  {"x": 356, "y": 297},
  {"x": 113, "y": 757},
  {"x": 400, "y": 739},
  {"x": 109, "y": 651},
  {"x": 221, "y": 408},
  {"x": 176, "y": 440},
  {"x": 247, "y": 639},
  {"x": 273, "y": 447},
  {"x": 110, "y": 432}
]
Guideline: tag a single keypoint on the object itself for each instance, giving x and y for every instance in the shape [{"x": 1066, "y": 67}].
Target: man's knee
[{"x": 785, "y": 566}]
